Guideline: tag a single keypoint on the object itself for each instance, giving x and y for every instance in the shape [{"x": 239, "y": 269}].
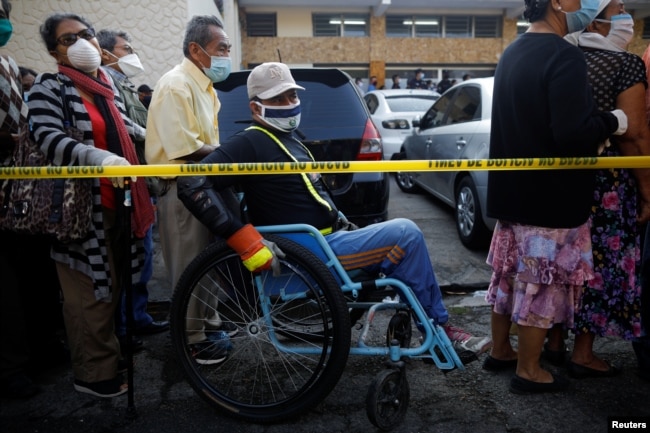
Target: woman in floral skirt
[{"x": 611, "y": 302}]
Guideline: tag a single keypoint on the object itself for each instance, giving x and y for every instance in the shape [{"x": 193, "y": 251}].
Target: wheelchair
[{"x": 294, "y": 333}]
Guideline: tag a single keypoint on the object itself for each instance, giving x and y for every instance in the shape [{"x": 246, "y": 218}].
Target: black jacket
[
  {"x": 543, "y": 107},
  {"x": 274, "y": 198}
]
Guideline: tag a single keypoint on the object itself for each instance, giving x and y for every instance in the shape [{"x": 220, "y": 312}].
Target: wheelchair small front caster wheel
[
  {"x": 399, "y": 328},
  {"x": 388, "y": 399}
]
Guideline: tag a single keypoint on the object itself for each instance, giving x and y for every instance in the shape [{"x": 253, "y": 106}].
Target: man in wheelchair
[{"x": 395, "y": 248}]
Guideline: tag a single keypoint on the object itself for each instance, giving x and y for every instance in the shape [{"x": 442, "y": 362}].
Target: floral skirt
[{"x": 538, "y": 272}]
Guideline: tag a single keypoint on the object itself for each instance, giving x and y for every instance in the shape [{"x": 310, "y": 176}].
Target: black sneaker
[
  {"x": 104, "y": 389},
  {"x": 209, "y": 352}
]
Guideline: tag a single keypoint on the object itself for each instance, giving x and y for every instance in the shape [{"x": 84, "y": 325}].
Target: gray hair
[
  {"x": 198, "y": 30},
  {"x": 108, "y": 38}
]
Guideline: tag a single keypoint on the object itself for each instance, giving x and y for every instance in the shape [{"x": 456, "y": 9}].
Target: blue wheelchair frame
[{"x": 434, "y": 336}]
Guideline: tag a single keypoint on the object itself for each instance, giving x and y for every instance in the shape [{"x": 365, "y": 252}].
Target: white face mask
[
  {"x": 285, "y": 118},
  {"x": 622, "y": 30},
  {"x": 129, "y": 64},
  {"x": 84, "y": 56}
]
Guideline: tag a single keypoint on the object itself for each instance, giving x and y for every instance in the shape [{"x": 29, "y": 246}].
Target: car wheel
[
  {"x": 469, "y": 222},
  {"x": 405, "y": 182}
]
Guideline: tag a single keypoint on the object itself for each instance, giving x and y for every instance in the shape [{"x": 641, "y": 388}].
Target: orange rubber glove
[{"x": 256, "y": 253}]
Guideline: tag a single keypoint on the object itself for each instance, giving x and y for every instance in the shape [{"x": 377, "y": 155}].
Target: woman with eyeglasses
[{"x": 78, "y": 119}]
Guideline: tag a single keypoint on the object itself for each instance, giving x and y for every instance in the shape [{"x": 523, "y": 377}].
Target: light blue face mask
[
  {"x": 219, "y": 68},
  {"x": 579, "y": 20}
]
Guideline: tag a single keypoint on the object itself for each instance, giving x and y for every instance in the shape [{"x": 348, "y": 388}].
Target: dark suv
[{"x": 335, "y": 126}]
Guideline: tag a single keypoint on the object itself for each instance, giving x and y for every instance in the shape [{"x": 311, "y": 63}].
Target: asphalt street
[{"x": 470, "y": 400}]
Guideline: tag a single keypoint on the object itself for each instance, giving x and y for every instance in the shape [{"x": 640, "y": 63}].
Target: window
[
  {"x": 458, "y": 27},
  {"x": 436, "y": 114},
  {"x": 372, "y": 103},
  {"x": 399, "y": 26},
  {"x": 427, "y": 27},
  {"x": 487, "y": 27},
  {"x": 466, "y": 106},
  {"x": 451, "y": 26},
  {"x": 348, "y": 25},
  {"x": 410, "y": 103},
  {"x": 261, "y": 25},
  {"x": 409, "y": 26}
]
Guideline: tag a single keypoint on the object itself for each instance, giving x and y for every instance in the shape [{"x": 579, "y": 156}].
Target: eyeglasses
[
  {"x": 68, "y": 39},
  {"x": 127, "y": 48}
]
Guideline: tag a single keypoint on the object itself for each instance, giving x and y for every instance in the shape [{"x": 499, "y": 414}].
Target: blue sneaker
[{"x": 220, "y": 339}]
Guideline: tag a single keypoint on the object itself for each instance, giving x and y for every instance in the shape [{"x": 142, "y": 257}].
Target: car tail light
[
  {"x": 371, "y": 147},
  {"x": 396, "y": 124}
]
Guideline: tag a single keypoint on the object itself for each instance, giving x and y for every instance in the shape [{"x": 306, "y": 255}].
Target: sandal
[{"x": 103, "y": 388}]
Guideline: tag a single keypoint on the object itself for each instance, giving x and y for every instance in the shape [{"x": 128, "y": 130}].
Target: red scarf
[{"x": 142, "y": 216}]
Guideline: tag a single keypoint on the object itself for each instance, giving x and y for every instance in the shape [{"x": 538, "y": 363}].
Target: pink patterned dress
[{"x": 538, "y": 272}]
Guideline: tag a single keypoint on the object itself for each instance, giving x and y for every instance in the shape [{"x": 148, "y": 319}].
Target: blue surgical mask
[
  {"x": 579, "y": 20},
  {"x": 219, "y": 68},
  {"x": 285, "y": 118}
]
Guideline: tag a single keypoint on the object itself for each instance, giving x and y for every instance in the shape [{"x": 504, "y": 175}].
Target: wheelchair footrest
[{"x": 466, "y": 356}]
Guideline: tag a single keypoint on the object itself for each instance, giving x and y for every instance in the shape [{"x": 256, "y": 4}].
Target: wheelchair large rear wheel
[{"x": 292, "y": 336}]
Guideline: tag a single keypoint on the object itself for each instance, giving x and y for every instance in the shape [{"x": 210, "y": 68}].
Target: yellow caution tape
[{"x": 324, "y": 167}]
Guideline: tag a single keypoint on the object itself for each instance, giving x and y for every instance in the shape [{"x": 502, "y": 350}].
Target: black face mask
[{"x": 146, "y": 100}]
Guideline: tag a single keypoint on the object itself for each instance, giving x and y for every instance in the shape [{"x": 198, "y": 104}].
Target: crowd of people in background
[
  {"x": 569, "y": 258},
  {"x": 417, "y": 81}
]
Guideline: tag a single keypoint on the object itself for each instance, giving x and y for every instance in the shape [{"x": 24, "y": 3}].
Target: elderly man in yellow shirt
[{"x": 181, "y": 127}]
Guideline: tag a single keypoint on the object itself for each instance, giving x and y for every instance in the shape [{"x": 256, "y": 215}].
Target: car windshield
[{"x": 410, "y": 103}]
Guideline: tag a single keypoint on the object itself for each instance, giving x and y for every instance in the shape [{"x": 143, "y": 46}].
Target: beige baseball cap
[{"x": 270, "y": 79}]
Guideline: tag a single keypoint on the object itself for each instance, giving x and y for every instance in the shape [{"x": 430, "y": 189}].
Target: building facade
[{"x": 388, "y": 37}]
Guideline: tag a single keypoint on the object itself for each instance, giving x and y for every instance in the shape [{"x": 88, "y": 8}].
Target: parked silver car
[
  {"x": 392, "y": 111},
  {"x": 457, "y": 126}
]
